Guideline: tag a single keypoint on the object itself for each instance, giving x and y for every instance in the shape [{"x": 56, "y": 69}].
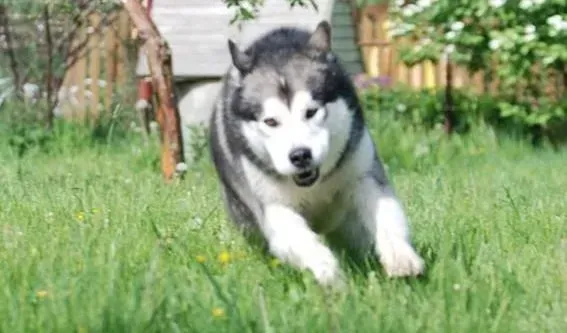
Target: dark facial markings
[{"x": 284, "y": 91}]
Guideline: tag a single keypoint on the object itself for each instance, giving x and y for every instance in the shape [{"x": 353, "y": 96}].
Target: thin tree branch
[
  {"x": 5, "y": 24},
  {"x": 49, "y": 73}
]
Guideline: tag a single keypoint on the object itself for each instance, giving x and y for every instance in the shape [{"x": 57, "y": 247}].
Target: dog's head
[{"x": 289, "y": 98}]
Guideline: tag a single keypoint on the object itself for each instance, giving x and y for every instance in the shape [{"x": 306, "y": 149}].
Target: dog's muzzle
[
  {"x": 307, "y": 177},
  {"x": 302, "y": 159}
]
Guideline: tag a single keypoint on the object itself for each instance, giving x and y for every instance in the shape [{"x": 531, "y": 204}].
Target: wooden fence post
[{"x": 159, "y": 60}]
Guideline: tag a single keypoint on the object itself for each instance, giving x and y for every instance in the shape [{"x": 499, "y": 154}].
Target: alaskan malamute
[{"x": 296, "y": 161}]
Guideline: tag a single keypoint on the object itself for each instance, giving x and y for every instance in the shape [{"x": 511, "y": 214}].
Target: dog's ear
[
  {"x": 241, "y": 60},
  {"x": 321, "y": 37}
]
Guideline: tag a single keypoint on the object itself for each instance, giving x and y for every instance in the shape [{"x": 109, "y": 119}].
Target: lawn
[{"x": 92, "y": 240}]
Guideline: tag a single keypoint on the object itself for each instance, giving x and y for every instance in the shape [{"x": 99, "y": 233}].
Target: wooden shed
[{"x": 197, "y": 32}]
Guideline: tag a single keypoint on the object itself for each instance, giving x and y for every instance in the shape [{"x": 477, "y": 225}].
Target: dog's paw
[
  {"x": 400, "y": 259},
  {"x": 325, "y": 268}
]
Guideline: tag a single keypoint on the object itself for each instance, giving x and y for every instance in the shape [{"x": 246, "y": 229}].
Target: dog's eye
[
  {"x": 311, "y": 112},
  {"x": 271, "y": 122}
]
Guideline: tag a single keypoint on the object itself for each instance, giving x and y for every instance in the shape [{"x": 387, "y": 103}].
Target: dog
[{"x": 296, "y": 163}]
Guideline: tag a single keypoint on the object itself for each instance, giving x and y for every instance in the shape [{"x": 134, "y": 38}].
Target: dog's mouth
[{"x": 306, "y": 178}]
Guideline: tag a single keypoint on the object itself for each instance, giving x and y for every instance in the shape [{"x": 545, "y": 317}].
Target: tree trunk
[
  {"x": 449, "y": 106},
  {"x": 159, "y": 61}
]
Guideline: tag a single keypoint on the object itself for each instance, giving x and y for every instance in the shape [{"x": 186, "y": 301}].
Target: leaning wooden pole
[{"x": 159, "y": 61}]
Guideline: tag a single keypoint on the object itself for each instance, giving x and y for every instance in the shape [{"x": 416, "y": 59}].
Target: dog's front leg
[
  {"x": 384, "y": 217},
  {"x": 292, "y": 241}
]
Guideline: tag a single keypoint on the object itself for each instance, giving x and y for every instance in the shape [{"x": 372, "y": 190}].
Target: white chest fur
[{"x": 323, "y": 204}]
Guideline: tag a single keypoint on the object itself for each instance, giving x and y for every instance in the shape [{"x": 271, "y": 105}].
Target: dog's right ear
[{"x": 240, "y": 60}]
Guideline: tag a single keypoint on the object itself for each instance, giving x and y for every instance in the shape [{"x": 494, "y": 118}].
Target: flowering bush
[{"x": 526, "y": 39}]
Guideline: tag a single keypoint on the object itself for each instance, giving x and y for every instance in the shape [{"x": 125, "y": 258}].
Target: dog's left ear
[{"x": 321, "y": 37}]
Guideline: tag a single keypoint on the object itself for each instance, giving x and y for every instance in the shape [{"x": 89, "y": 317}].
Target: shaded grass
[{"x": 91, "y": 240}]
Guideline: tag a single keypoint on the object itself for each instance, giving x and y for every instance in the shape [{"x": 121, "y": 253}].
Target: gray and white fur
[{"x": 296, "y": 161}]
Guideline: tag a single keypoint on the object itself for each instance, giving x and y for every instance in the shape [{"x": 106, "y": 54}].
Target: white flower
[
  {"x": 425, "y": 41},
  {"x": 494, "y": 44},
  {"x": 557, "y": 22},
  {"x": 496, "y": 3},
  {"x": 450, "y": 35},
  {"x": 181, "y": 167},
  {"x": 424, "y": 4},
  {"x": 154, "y": 126},
  {"x": 529, "y": 29},
  {"x": 526, "y": 4},
  {"x": 449, "y": 49},
  {"x": 457, "y": 26},
  {"x": 400, "y": 29},
  {"x": 529, "y": 37},
  {"x": 554, "y": 20},
  {"x": 410, "y": 10},
  {"x": 548, "y": 60},
  {"x": 31, "y": 90},
  {"x": 538, "y": 2}
]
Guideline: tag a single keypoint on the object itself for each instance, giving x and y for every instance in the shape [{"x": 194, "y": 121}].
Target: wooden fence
[
  {"x": 99, "y": 71},
  {"x": 102, "y": 70},
  {"x": 380, "y": 58}
]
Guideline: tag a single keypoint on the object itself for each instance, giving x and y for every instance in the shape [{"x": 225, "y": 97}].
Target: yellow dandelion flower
[
  {"x": 80, "y": 216},
  {"x": 200, "y": 258},
  {"x": 218, "y": 312},
  {"x": 224, "y": 257},
  {"x": 275, "y": 262},
  {"x": 41, "y": 293}
]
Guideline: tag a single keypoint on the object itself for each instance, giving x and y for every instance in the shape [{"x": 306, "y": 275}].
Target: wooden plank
[
  {"x": 344, "y": 44},
  {"x": 478, "y": 82},
  {"x": 348, "y": 56},
  {"x": 459, "y": 78},
  {"x": 110, "y": 66},
  {"x": 415, "y": 76},
  {"x": 340, "y": 34},
  {"x": 80, "y": 72},
  {"x": 69, "y": 80},
  {"x": 122, "y": 31},
  {"x": 428, "y": 74},
  {"x": 365, "y": 32},
  {"x": 342, "y": 7},
  {"x": 94, "y": 66},
  {"x": 381, "y": 34},
  {"x": 443, "y": 72}
]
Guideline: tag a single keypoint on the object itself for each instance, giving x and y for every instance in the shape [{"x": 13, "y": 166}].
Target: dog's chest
[
  {"x": 324, "y": 215},
  {"x": 324, "y": 206}
]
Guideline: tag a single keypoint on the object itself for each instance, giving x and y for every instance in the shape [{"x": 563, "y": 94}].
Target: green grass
[{"x": 92, "y": 240}]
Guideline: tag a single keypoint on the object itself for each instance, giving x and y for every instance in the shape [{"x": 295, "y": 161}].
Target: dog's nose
[{"x": 300, "y": 157}]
